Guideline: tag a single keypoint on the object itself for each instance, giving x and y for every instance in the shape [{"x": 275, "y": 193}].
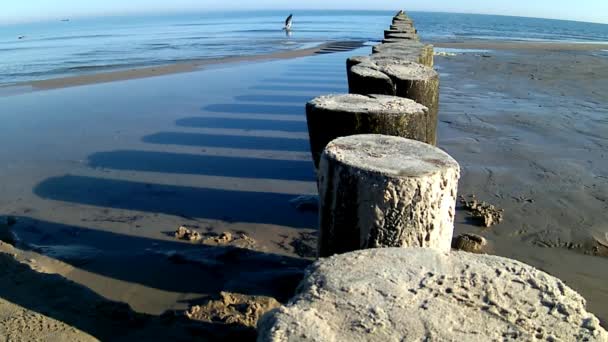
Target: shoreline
[
  {"x": 152, "y": 71},
  {"x": 197, "y": 64},
  {"x": 522, "y": 45}
]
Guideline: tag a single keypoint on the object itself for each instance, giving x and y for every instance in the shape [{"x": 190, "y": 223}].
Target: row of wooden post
[{"x": 382, "y": 182}]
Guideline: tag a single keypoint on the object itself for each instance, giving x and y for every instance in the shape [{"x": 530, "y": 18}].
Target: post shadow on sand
[
  {"x": 166, "y": 162},
  {"x": 255, "y": 109},
  {"x": 327, "y": 74},
  {"x": 314, "y": 67},
  {"x": 228, "y": 141},
  {"x": 269, "y": 98},
  {"x": 231, "y": 269},
  {"x": 309, "y": 78},
  {"x": 312, "y": 71},
  {"x": 341, "y": 46},
  {"x": 290, "y": 79},
  {"x": 183, "y": 201},
  {"x": 166, "y": 265},
  {"x": 320, "y": 89},
  {"x": 236, "y": 123}
]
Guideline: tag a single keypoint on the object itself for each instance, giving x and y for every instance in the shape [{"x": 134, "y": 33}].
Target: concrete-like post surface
[
  {"x": 334, "y": 116},
  {"x": 421, "y": 84},
  {"x": 402, "y": 20},
  {"x": 401, "y": 35},
  {"x": 403, "y": 25},
  {"x": 400, "y": 47},
  {"x": 354, "y": 60},
  {"x": 403, "y": 28},
  {"x": 385, "y": 191},
  {"x": 398, "y": 77},
  {"x": 423, "y": 56},
  {"x": 416, "y": 294},
  {"x": 367, "y": 78}
]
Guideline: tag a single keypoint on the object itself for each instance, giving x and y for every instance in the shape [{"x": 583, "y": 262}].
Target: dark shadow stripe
[
  {"x": 254, "y": 108},
  {"x": 228, "y": 141},
  {"x": 299, "y": 99},
  {"x": 279, "y": 125},
  {"x": 165, "y": 162},
  {"x": 306, "y": 80},
  {"x": 239, "y": 206},
  {"x": 329, "y": 68},
  {"x": 317, "y": 89},
  {"x": 338, "y": 74}
]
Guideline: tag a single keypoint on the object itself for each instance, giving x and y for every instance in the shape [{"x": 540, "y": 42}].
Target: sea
[{"x": 75, "y": 46}]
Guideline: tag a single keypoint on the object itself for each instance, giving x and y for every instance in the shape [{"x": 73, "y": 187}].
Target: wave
[
  {"x": 19, "y": 49},
  {"x": 91, "y": 36},
  {"x": 95, "y": 67},
  {"x": 295, "y": 31},
  {"x": 502, "y": 37},
  {"x": 530, "y": 36},
  {"x": 206, "y": 24},
  {"x": 154, "y": 47}
]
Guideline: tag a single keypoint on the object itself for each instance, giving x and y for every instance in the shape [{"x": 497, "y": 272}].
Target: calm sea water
[{"x": 56, "y": 49}]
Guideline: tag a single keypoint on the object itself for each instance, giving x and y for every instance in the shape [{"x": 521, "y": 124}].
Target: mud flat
[{"x": 530, "y": 136}]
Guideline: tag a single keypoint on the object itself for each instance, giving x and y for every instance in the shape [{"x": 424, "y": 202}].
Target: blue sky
[{"x": 30, "y": 10}]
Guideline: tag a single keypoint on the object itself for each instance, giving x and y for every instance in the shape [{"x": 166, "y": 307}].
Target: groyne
[{"x": 386, "y": 205}]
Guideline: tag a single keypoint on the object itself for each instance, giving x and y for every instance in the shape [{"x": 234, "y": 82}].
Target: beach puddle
[
  {"x": 76, "y": 255},
  {"x": 455, "y": 51}
]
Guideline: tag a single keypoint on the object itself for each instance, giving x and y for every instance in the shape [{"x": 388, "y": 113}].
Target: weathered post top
[
  {"x": 399, "y": 77},
  {"x": 333, "y": 116},
  {"x": 390, "y": 156},
  {"x": 385, "y": 191},
  {"x": 406, "y": 49},
  {"x": 418, "y": 294},
  {"x": 388, "y": 34}
]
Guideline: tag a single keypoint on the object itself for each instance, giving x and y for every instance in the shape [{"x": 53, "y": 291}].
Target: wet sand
[
  {"x": 522, "y": 45},
  {"x": 530, "y": 129},
  {"x": 100, "y": 176}
]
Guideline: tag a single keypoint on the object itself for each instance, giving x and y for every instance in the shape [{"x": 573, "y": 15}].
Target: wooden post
[
  {"x": 354, "y": 60},
  {"x": 333, "y": 116},
  {"x": 406, "y": 47},
  {"x": 402, "y": 20},
  {"x": 421, "y": 84},
  {"x": 366, "y": 79},
  {"x": 401, "y": 78},
  {"x": 401, "y": 35},
  {"x": 403, "y": 28},
  {"x": 385, "y": 191}
]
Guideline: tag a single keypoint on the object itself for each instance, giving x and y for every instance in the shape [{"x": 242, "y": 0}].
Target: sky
[{"x": 13, "y": 11}]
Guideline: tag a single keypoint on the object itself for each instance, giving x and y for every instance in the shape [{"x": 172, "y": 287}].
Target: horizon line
[{"x": 195, "y": 11}]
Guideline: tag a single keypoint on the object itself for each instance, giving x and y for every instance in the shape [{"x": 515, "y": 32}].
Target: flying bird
[{"x": 288, "y": 23}]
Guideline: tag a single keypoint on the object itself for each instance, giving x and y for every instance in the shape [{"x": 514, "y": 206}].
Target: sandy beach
[{"x": 105, "y": 168}]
